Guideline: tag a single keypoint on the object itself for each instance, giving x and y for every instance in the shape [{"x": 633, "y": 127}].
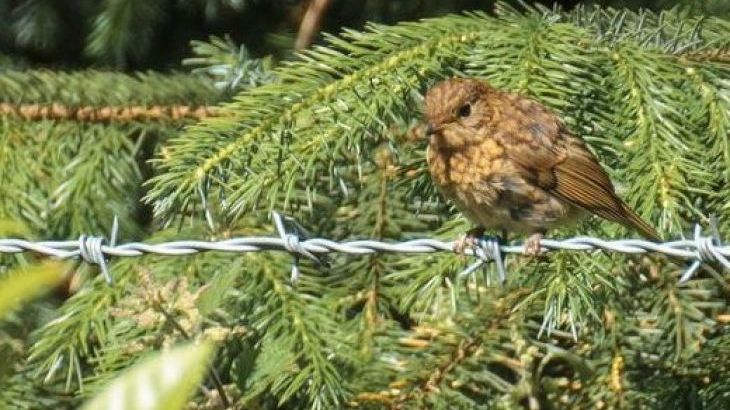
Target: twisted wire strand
[
  {"x": 686, "y": 249},
  {"x": 292, "y": 239}
]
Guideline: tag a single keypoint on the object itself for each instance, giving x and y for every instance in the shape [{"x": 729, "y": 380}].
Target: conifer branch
[
  {"x": 302, "y": 94},
  {"x": 106, "y": 89},
  {"x": 35, "y": 112},
  {"x": 718, "y": 55}
]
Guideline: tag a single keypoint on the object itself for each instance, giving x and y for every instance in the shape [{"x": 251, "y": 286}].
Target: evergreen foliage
[
  {"x": 231, "y": 67},
  {"x": 331, "y": 139},
  {"x": 64, "y": 178}
]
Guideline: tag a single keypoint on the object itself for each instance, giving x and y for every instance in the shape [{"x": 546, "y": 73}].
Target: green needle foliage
[
  {"x": 332, "y": 139},
  {"x": 65, "y": 177}
]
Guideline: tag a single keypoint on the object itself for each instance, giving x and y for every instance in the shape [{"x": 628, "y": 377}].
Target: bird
[{"x": 510, "y": 164}]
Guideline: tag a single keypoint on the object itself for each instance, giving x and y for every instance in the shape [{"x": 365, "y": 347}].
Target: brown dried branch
[
  {"x": 719, "y": 55},
  {"x": 36, "y": 112}
]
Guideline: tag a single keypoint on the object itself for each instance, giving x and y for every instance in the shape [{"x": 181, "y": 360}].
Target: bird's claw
[
  {"x": 468, "y": 240},
  {"x": 465, "y": 241},
  {"x": 532, "y": 245}
]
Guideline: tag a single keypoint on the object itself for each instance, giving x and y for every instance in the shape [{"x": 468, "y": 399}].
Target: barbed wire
[{"x": 700, "y": 250}]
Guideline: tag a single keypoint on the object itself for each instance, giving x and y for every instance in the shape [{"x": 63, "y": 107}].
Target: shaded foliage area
[{"x": 143, "y": 34}]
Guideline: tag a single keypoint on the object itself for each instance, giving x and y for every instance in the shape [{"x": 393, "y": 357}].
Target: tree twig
[
  {"x": 36, "y": 112},
  {"x": 310, "y": 23}
]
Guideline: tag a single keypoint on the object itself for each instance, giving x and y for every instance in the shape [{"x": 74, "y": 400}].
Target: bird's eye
[{"x": 465, "y": 110}]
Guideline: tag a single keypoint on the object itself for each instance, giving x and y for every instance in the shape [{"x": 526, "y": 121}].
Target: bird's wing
[{"x": 546, "y": 154}]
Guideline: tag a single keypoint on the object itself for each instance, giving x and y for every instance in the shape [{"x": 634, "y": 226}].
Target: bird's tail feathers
[{"x": 634, "y": 221}]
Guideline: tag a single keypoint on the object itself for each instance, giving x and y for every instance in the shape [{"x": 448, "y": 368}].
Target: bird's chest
[
  {"x": 490, "y": 191},
  {"x": 460, "y": 173}
]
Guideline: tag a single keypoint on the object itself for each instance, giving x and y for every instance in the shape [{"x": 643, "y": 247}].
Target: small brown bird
[{"x": 510, "y": 164}]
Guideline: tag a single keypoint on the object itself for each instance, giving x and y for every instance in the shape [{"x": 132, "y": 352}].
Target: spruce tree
[{"x": 332, "y": 139}]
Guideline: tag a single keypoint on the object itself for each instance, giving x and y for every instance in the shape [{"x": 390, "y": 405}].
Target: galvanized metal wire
[{"x": 94, "y": 249}]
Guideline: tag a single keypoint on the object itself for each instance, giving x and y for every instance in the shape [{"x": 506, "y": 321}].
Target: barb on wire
[
  {"x": 701, "y": 250},
  {"x": 91, "y": 249},
  {"x": 291, "y": 241},
  {"x": 706, "y": 251},
  {"x": 487, "y": 250}
]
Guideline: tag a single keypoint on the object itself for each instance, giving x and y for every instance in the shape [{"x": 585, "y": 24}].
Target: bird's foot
[
  {"x": 532, "y": 245},
  {"x": 470, "y": 239}
]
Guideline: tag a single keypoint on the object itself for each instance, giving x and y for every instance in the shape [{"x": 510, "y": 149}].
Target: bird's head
[{"x": 457, "y": 110}]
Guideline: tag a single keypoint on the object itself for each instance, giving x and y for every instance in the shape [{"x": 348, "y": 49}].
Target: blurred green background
[{"x": 155, "y": 34}]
